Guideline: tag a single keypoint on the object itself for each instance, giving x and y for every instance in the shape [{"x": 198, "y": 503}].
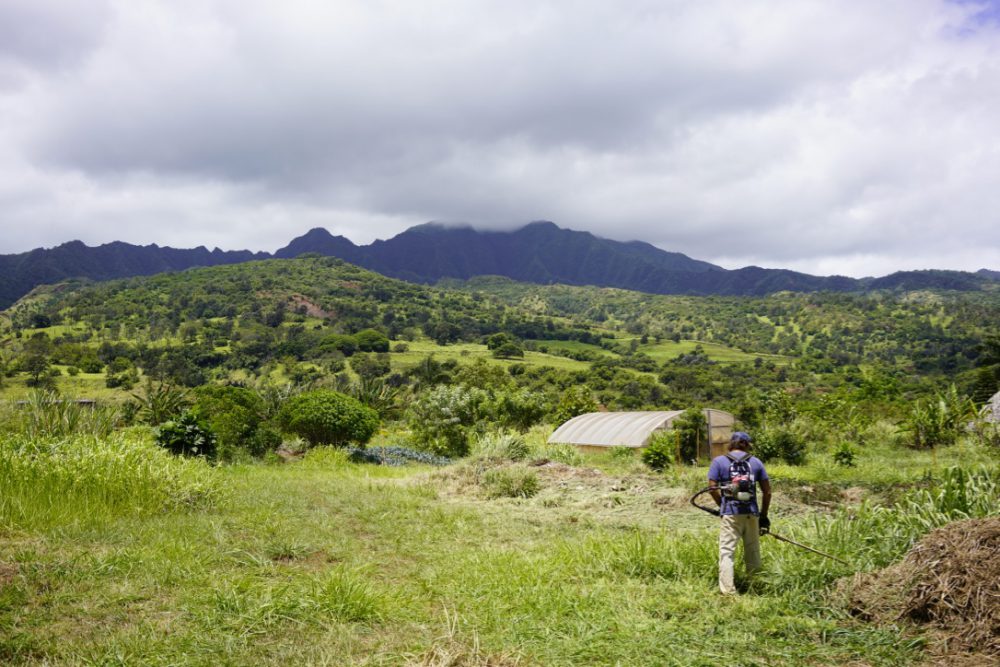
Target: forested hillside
[{"x": 306, "y": 320}]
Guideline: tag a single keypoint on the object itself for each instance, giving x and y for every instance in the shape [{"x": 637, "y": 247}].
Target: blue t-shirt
[{"x": 719, "y": 473}]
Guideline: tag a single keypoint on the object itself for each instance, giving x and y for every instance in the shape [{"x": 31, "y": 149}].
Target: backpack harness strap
[{"x": 745, "y": 484}]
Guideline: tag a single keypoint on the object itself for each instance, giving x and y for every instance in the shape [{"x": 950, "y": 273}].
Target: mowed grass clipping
[{"x": 328, "y": 562}]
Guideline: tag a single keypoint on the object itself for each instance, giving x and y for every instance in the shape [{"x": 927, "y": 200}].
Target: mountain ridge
[{"x": 539, "y": 252}]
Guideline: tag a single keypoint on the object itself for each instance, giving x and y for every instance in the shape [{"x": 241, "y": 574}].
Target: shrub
[
  {"x": 442, "y": 419},
  {"x": 987, "y": 433},
  {"x": 235, "y": 415},
  {"x": 379, "y": 394},
  {"x": 342, "y": 343},
  {"x": 938, "y": 420},
  {"x": 187, "y": 436},
  {"x": 371, "y": 366},
  {"x": 513, "y": 482},
  {"x": 91, "y": 364},
  {"x": 501, "y": 445},
  {"x": 160, "y": 402},
  {"x": 661, "y": 450},
  {"x": 625, "y": 454},
  {"x": 567, "y": 454},
  {"x": 264, "y": 440},
  {"x": 844, "y": 455},
  {"x": 519, "y": 409},
  {"x": 779, "y": 443},
  {"x": 122, "y": 374},
  {"x": 325, "y": 417},
  {"x": 575, "y": 401}
]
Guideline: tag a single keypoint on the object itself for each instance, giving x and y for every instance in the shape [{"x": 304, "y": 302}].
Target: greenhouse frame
[{"x": 601, "y": 431}]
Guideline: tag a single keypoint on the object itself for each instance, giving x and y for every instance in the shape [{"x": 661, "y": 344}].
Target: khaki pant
[{"x": 736, "y": 527}]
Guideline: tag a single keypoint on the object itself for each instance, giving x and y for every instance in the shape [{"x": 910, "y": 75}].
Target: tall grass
[
  {"x": 83, "y": 478},
  {"x": 871, "y": 536},
  {"x": 46, "y": 414},
  {"x": 647, "y": 555}
]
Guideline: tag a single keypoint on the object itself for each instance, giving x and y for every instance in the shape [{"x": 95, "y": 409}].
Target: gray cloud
[
  {"x": 825, "y": 136},
  {"x": 47, "y": 34}
]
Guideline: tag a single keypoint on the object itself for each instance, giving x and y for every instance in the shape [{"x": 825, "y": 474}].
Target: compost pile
[{"x": 949, "y": 581}]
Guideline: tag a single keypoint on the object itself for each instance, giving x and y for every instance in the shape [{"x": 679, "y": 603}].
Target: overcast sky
[{"x": 845, "y": 136}]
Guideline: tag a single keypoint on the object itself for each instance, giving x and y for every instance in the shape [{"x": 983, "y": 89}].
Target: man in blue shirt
[{"x": 741, "y": 516}]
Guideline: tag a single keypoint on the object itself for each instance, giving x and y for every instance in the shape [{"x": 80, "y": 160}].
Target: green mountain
[
  {"x": 540, "y": 252},
  {"x": 20, "y": 273}
]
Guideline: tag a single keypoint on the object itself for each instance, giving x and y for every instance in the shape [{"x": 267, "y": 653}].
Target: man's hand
[{"x": 765, "y": 524}]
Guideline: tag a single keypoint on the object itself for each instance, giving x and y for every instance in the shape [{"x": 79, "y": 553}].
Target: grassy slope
[
  {"x": 339, "y": 564},
  {"x": 469, "y": 352}
]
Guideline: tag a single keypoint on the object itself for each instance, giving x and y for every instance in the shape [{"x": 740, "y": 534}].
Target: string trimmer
[{"x": 764, "y": 531}]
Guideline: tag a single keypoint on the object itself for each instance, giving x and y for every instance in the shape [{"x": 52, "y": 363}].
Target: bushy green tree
[
  {"x": 504, "y": 346},
  {"x": 342, "y": 343},
  {"x": 508, "y": 351},
  {"x": 236, "y": 416},
  {"x": 429, "y": 372},
  {"x": 576, "y": 400},
  {"x": 325, "y": 417},
  {"x": 121, "y": 373},
  {"x": 779, "y": 443},
  {"x": 442, "y": 419},
  {"x": 371, "y": 340},
  {"x": 370, "y": 365},
  {"x": 39, "y": 370},
  {"x": 518, "y": 408}
]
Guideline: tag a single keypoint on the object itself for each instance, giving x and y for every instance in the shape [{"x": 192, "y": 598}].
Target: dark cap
[{"x": 740, "y": 437}]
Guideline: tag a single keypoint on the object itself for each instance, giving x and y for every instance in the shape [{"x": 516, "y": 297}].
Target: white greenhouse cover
[{"x": 608, "y": 429}]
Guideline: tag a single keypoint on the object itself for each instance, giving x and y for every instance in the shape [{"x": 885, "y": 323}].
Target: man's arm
[
  {"x": 716, "y": 494},
  {"x": 765, "y": 500}
]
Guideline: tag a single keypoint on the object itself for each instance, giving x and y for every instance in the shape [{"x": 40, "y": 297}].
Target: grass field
[
  {"x": 326, "y": 562},
  {"x": 84, "y": 385},
  {"x": 469, "y": 352},
  {"x": 666, "y": 350}
]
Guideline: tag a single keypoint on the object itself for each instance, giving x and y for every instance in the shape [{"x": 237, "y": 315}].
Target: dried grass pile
[{"x": 949, "y": 582}]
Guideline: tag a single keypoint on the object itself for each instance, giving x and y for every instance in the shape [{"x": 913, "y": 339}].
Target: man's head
[{"x": 739, "y": 440}]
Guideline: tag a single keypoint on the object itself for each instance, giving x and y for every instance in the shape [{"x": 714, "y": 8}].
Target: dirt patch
[
  {"x": 311, "y": 309},
  {"x": 289, "y": 456},
  {"x": 854, "y": 495},
  {"x": 8, "y": 571},
  {"x": 949, "y": 584}
]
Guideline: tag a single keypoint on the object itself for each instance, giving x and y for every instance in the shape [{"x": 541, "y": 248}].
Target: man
[{"x": 733, "y": 480}]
